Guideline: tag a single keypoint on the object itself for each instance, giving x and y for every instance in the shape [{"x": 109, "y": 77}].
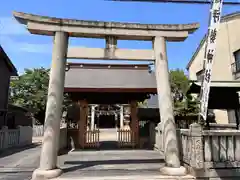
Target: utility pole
[{"x": 210, "y": 46}]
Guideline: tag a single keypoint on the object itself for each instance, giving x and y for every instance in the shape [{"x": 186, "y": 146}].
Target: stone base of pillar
[
  {"x": 171, "y": 171},
  {"x": 40, "y": 174},
  {"x": 155, "y": 147}
]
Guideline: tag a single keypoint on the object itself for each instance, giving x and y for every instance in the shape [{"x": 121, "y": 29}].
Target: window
[
  {"x": 237, "y": 55},
  {"x": 237, "y": 60},
  {"x": 200, "y": 74}
]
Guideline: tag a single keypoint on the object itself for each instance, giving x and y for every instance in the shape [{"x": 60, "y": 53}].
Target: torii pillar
[
  {"x": 170, "y": 144},
  {"x": 48, "y": 161}
]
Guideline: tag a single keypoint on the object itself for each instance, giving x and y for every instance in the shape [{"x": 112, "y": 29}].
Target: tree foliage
[
  {"x": 30, "y": 90},
  {"x": 142, "y": 104},
  {"x": 184, "y": 104}
]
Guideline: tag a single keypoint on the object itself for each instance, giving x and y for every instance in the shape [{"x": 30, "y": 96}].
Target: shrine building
[{"x": 107, "y": 96}]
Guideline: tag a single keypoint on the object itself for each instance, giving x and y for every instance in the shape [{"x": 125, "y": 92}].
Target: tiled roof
[{"x": 109, "y": 76}]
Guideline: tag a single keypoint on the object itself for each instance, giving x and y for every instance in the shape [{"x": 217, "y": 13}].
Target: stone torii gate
[{"x": 62, "y": 30}]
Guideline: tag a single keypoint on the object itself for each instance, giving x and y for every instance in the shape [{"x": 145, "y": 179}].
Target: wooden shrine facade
[{"x": 93, "y": 87}]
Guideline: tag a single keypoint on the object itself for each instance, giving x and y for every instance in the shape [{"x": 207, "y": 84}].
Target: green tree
[
  {"x": 142, "y": 104},
  {"x": 30, "y": 90},
  {"x": 184, "y": 104},
  {"x": 179, "y": 84}
]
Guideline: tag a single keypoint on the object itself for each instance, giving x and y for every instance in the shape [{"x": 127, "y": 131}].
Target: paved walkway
[
  {"x": 19, "y": 163},
  {"x": 108, "y": 134},
  {"x": 112, "y": 165}
]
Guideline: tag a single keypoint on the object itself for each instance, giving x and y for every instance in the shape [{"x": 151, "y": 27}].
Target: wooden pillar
[
  {"x": 82, "y": 123},
  {"x": 121, "y": 117},
  {"x": 92, "y": 124},
  {"x": 134, "y": 121}
]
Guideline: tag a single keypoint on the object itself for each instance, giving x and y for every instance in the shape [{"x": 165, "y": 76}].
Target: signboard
[{"x": 215, "y": 17}]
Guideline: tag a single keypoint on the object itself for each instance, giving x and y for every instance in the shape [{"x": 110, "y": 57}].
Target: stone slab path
[
  {"x": 19, "y": 163},
  {"x": 112, "y": 165}
]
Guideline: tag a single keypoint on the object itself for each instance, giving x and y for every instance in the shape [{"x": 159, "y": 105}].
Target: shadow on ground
[
  {"x": 13, "y": 150},
  {"x": 87, "y": 164}
]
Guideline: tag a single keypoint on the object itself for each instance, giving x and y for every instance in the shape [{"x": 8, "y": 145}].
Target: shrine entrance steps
[{"x": 111, "y": 165}]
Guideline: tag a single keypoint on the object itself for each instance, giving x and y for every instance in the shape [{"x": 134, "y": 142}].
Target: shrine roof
[{"x": 109, "y": 78}]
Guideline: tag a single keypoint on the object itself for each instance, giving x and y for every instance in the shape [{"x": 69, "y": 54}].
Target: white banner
[{"x": 210, "y": 49}]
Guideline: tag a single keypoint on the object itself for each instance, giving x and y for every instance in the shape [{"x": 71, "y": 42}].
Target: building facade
[
  {"x": 226, "y": 67},
  {"x": 7, "y": 70}
]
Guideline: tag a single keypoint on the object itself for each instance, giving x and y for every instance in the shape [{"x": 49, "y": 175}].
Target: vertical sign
[{"x": 215, "y": 17}]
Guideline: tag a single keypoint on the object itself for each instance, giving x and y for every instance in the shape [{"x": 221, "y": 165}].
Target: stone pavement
[
  {"x": 108, "y": 134},
  {"x": 112, "y": 165},
  {"x": 19, "y": 163}
]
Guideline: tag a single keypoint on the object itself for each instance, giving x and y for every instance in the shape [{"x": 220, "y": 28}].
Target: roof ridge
[{"x": 8, "y": 61}]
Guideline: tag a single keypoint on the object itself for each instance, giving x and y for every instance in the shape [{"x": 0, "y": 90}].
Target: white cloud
[
  {"x": 9, "y": 26},
  {"x": 35, "y": 48},
  {"x": 14, "y": 46}
]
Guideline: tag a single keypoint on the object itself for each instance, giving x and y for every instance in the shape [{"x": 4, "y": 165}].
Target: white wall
[{"x": 228, "y": 41}]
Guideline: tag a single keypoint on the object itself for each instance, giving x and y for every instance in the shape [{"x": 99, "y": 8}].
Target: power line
[{"x": 202, "y": 2}]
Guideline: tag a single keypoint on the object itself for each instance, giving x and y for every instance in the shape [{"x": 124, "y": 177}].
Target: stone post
[
  {"x": 196, "y": 159},
  {"x": 25, "y": 135},
  {"x": 92, "y": 116},
  {"x": 82, "y": 123},
  {"x": 48, "y": 161},
  {"x": 111, "y": 45},
  {"x": 121, "y": 116},
  {"x": 5, "y": 137},
  {"x": 171, "y": 151},
  {"x": 134, "y": 122}
]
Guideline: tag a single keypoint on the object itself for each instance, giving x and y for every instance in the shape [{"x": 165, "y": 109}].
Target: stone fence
[
  {"x": 38, "y": 130},
  {"x": 213, "y": 153},
  {"x": 210, "y": 153},
  {"x": 15, "y": 137},
  {"x": 63, "y": 138},
  {"x": 222, "y": 126},
  {"x": 212, "y": 126}
]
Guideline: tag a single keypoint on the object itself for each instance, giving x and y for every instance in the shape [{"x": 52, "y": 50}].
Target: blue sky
[{"x": 31, "y": 51}]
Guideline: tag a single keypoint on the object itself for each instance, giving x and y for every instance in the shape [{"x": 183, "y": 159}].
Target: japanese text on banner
[{"x": 209, "y": 55}]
